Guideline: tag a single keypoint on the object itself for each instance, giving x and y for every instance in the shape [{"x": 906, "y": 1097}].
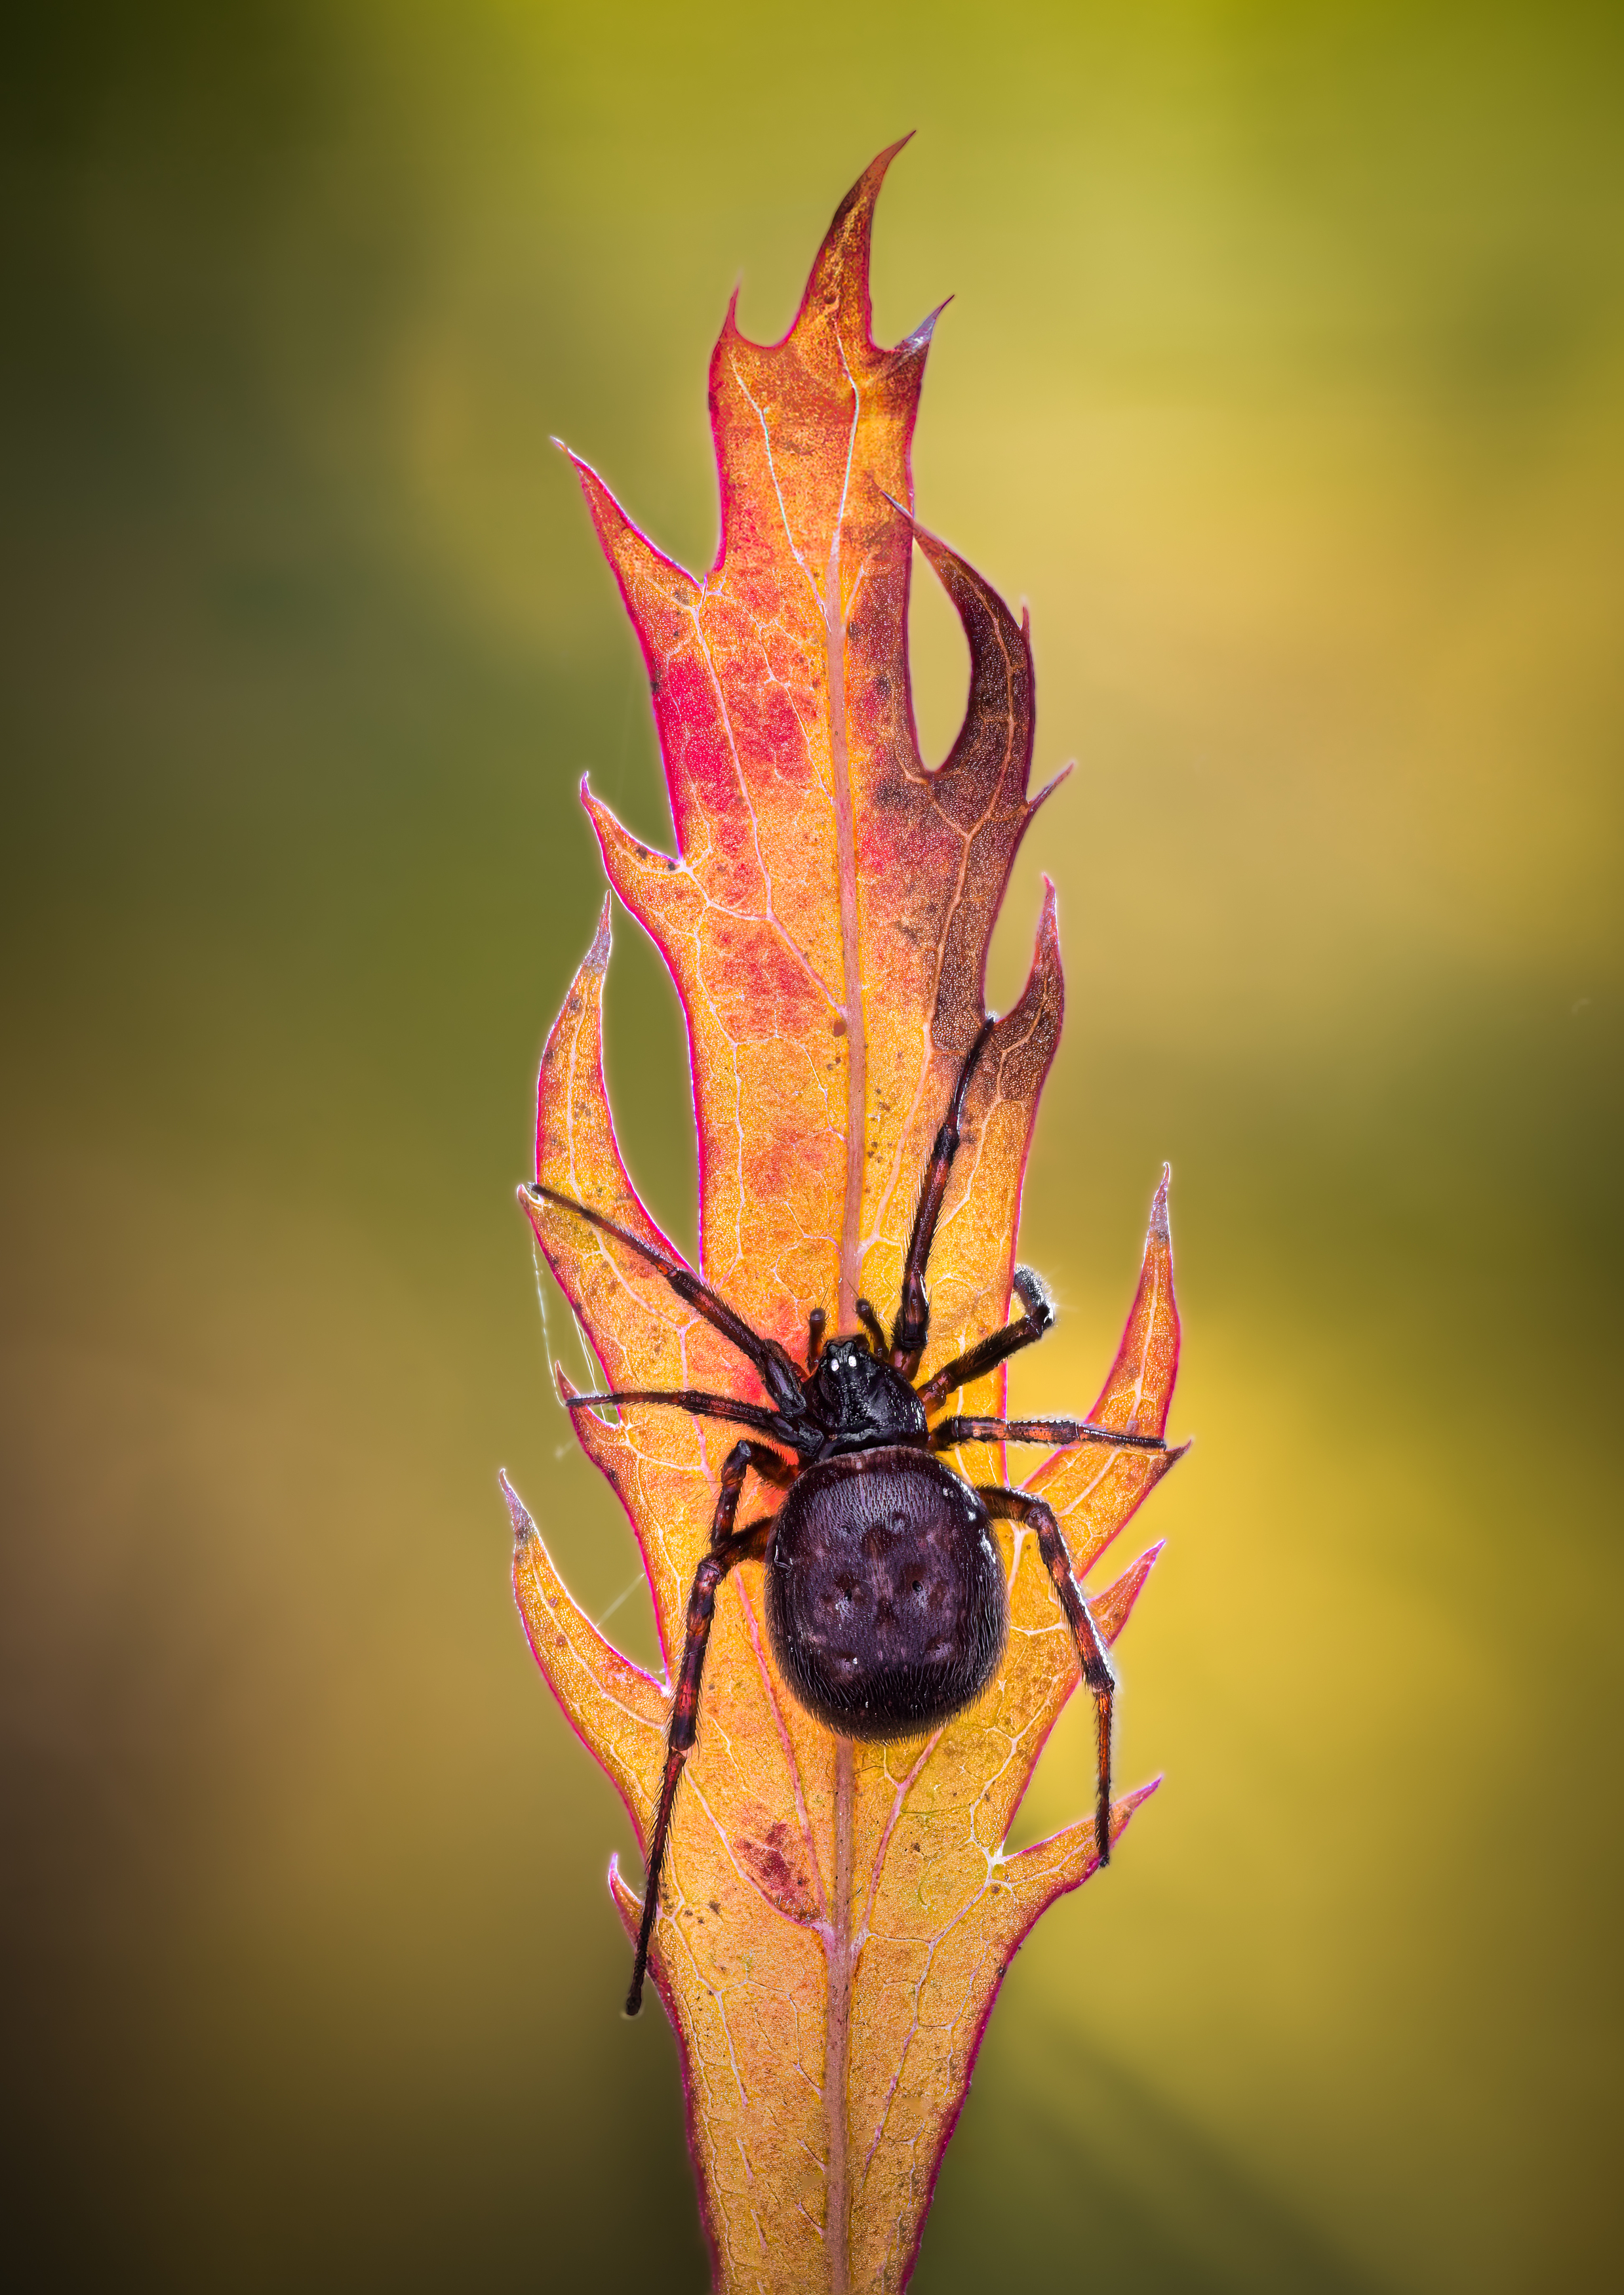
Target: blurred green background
[{"x": 1285, "y": 378}]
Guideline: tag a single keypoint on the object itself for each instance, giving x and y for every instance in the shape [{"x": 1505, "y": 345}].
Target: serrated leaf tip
[
  {"x": 1049, "y": 788},
  {"x": 518, "y": 1514},
  {"x": 926, "y": 327},
  {"x": 1113, "y": 1609},
  {"x": 602, "y": 941},
  {"x": 839, "y": 278}
]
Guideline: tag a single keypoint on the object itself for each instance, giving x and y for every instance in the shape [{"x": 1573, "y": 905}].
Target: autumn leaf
[{"x": 835, "y": 1918}]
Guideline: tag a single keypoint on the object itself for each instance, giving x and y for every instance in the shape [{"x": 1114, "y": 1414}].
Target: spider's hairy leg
[
  {"x": 999, "y": 1345},
  {"x": 778, "y": 1374},
  {"x": 1061, "y": 1431},
  {"x": 1022, "y": 1506},
  {"x": 817, "y": 1323},
  {"x": 911, "y": 1329},
  {"x": 728, "y": 1548},
  {"x": 775, "y": 1423},
  {"x": 875, "y": 1329}
]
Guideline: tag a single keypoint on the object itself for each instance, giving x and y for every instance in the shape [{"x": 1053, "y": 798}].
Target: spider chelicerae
[{"x": 886, "y": 1597}]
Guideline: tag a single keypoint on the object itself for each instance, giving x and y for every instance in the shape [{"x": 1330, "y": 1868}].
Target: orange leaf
[{"x": 835, "y": 1918}]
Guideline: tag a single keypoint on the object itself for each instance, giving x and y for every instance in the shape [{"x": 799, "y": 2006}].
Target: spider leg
[
  {"x": 816, "y": 1323},
  {"x": 778, "y": 1374},
  {"x": 875, "y": 1329},
  {"x": 1021, "y": 1506},
  {"x": 701, "y": 1405},
  {"x": 999, "y": 1345},
  {"x": 1058, "y": 1431},
  {"x": 912, "y": 1324},
  {"x": 728, "y": 1548}
]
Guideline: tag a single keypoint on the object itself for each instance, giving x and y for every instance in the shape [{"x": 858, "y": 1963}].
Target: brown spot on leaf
[{"x": 778, "y": 1865}]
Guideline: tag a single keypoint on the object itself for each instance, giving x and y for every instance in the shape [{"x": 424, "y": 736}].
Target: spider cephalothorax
[
  {"x": 857, "y": 1399},
  {"x": 886, "y": 1596}
]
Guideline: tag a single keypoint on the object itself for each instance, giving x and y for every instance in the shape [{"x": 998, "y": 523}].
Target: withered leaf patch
[{"x": 835, "y": 1918}]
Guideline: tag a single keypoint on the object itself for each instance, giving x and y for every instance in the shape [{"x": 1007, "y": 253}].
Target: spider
[{"x": 886, "y": 1604}]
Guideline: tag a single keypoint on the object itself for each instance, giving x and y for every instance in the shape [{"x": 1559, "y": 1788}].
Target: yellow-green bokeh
[{"x": 1285, "y": 378}]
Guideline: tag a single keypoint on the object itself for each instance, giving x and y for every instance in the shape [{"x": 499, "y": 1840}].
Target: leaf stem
[{"x": 837, "y": 2059}]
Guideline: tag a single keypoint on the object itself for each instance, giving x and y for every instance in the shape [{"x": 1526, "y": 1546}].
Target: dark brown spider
[{"x": 886, "y": 1597}]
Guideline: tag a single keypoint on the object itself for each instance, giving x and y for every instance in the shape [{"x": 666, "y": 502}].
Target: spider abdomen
[{"x": 886, "y": 1597}]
